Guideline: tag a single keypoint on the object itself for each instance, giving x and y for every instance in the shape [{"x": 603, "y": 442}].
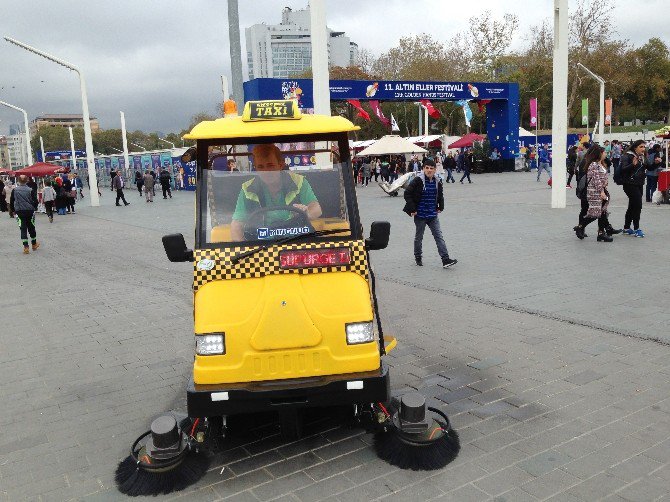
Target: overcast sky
[{"x": 160, "y": 61}]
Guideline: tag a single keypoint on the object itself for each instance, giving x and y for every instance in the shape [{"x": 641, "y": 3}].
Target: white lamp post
[
  {"x": 29, "y": 158},
  {"x": 124, "y": 139},
  {"x": 74, "y": 154},
  {"x": 601, "y": 113},
  {"x": 44, "y": 157},
  {"x": 559, "y": 126},
  {"x": 166, "y": 141},
  {"x": 138, "y": 146},
  {"x": 90, "y": 161},
  {"x": 320, "y": 75}
]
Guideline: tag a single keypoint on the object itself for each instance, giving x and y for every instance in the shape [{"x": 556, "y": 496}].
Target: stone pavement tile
[
  {"x": 647, "y": 488},
  {"x": 542, "y": 463},
  {"x": 491, "y": 396},
  {"x": 468, "y": 493},
  {"x": 493, "y": 424},
  {"x": 294, "y": 464},
  {"x": 369, "y": 490},
  {"x": 495, "y": 409},
  {"x": 497, "y": 440},
  {"x": 255, "y": 462},
  {"x": 341, "y": 464},
  {"x": 487, "y": 363},
  {"x": 659, "y": 451},
  {"x": 238, "y": 484},
  {"x": 504, "y": 457},
  {"x": 528, "y": 411},
  {"x": 282, "y": 486},
  {"x": 246, "y": 496},
  {"x": 424, "y": 490},
  {"x": 515, "y": 495},
  {"x": 550, "y": 484},
  {"x": 340, "y": 448},
  {"x": 374, "y": 468},
  {"x": 634, "y": 468},
  {"x": 596, "y": 487},
  {"x": 206, "y": 494},
  {"x": 506, "y": 479},
  {"x": 457, "y": 395},
  {"x": 323, "y": 489}
]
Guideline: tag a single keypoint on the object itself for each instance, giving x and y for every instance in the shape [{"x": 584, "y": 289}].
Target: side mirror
[
  {"x": 175, "y": 248},
  {"x": 379, "y": 235},
  {"x": 189, "y": 155}
]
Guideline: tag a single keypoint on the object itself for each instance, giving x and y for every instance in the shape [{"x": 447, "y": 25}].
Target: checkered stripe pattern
[{"x": 266, "y": 262}]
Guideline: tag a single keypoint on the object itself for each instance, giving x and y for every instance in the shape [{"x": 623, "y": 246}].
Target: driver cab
[{"x": 283, "y": 306}]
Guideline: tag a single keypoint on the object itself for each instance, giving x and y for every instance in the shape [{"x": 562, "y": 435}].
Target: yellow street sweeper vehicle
[{"x": 284, "y": 304}]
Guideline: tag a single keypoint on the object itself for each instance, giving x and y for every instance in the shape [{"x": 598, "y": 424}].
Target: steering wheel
[{"x": 299, "y": 220}]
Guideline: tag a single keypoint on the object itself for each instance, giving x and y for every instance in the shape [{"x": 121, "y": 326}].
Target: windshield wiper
[{"x": 314, "y": 233}]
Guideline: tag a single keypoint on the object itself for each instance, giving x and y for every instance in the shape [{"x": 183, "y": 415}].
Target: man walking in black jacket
[
  {"x": 632, "y": 178},
  {"x": 165, "y": 180},
  {"x": 424, "y": 199},
  {"x": 23, "y": 202}
]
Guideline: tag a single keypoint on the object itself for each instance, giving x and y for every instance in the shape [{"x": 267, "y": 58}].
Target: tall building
[
  {"x": 4, "y": 154},
  {"x": 62, "y": 120},
  {"x": 285, "y": 50},
  {"x": 14, "y": 129},
  {"x": 16, "y": 147}
]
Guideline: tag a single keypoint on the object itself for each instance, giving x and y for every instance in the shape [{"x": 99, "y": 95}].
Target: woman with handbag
[{"x": 597, "y": 196}]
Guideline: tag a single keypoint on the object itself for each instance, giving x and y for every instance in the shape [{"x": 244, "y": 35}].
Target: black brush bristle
[
  {"x": 134, "y": 481},
  {"x": 436, "y": 454}
]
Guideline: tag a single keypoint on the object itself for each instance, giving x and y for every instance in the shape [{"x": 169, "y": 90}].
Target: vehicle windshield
[{"x": 265, "y": 193}]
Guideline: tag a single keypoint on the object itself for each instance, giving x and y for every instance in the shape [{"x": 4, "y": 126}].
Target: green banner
[{"x": 585, "y": 111}]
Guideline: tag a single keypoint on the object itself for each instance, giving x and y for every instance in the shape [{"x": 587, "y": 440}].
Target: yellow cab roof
[{"x": 237, "y": 127}]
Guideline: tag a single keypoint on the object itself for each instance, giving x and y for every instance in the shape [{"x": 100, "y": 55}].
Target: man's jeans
[
  {"x": 546, "y": 167},
  {"x": 434, "y": 225}
]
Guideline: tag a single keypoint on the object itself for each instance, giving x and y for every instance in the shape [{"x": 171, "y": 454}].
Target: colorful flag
[
  {"x": 585, "y": 111},
  {"x": 608, "y": 112},
  {"x": 374, "y": 104},
  {"x": 467, "y": 112},
  {"x": 432, "y": 111},
  {"x": 394, "y": 124},
  {"x": 361, "y": 113},
  {"x": 533, "y": 112}
]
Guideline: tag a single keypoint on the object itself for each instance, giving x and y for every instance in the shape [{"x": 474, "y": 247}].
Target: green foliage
[{"x": 481, "y": 151}]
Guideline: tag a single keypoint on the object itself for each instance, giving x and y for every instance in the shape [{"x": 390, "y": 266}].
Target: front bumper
[{"x": 253, "y": 397}]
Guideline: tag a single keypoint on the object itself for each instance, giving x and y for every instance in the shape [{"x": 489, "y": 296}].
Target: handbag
[{"x": 582, "y": 186}]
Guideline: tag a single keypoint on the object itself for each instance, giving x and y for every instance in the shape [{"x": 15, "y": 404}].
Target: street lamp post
[
  {"x": 29, "y": 152},
  {"x": 90, "y": 161},
  {"x": 124, "y": 139},
  {"x": 601, "y": 113},
  {"x": 559, "y": 119},
  {"x": 166, "y": 141},
  {"x": 74, "y": 154}
]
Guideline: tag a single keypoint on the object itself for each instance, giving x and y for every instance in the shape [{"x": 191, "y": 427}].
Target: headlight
[
  {"x": 211, "y": 344},
  {"x": 360, "y": 332}
]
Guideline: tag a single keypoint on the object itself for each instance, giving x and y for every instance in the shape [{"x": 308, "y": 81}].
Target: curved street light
[
  {"x": 95, "y": 200},
  {"x": 25, "y": 122},
  {"x": 601, "y": 112},
  {"x": 138, "y": 146},
  {"x": 166, "y": 141}
]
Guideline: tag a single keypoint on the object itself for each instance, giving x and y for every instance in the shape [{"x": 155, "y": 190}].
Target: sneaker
[
  {"x": 638, "y": 233},
  {"x": 628, "y": 231},
  {"x": 26, "y": 250},
  {"x": 127, "y": 203},
  {"x": 36, "y": 245},
  {"x": 418, "y": 261},
  {"x": 448, "y": 262}
]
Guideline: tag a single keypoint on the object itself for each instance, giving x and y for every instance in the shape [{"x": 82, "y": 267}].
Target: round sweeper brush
[
  {"x": 412, "y": 440},
  {"x": 161, "y": 461}
]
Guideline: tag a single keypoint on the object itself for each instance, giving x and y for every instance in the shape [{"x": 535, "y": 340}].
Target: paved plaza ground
[{"x": 551, "y": 355}]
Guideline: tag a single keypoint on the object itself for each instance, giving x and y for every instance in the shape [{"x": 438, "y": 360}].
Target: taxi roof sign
[{"x": 286, "y": 109}]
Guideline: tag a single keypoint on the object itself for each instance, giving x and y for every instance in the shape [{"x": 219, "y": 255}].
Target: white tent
[
  {"x": 391, "y": 145},
  {"x": 523, "y": 133}
]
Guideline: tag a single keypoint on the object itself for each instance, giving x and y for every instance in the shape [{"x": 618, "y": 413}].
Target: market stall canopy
[
  {"x": 355, "y": 145},
  {"x": 42, "y": 169},
  {"x": 391, "y": 145},
  {"x": 433, "y": 140},
  {"x": 523, "y": 133},
  {"x": 467, "y": 140},
  {"x": 5, "y": 171}
]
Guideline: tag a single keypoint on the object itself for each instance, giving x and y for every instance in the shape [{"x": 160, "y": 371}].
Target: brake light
[{"x": 303, "y": 258}]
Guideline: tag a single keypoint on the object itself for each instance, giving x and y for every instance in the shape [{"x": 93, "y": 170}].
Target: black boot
[
  {"x": 613, "y": 231},
  {"x": 603, "y": 237},
  {"x": 579, "y": 232}
]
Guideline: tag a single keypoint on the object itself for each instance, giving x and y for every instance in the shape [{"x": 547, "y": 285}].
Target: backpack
[
  {"x": 582, "y": 186},
  {"x": 618, "y": 174}
]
